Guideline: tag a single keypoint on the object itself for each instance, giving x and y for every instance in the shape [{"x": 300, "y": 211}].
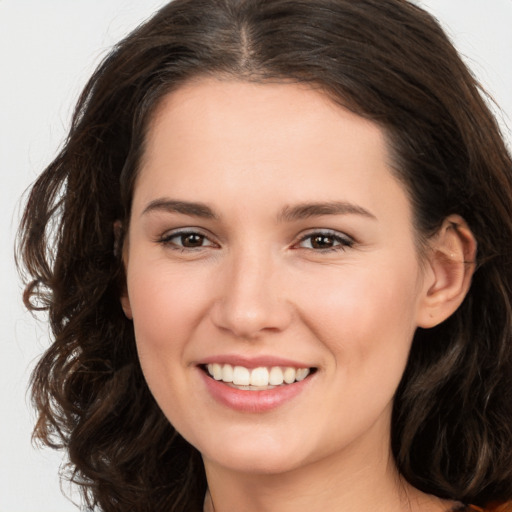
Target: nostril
[{"x": 248, "y": 310}]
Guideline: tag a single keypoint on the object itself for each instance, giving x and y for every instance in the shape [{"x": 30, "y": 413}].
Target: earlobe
[
  {"x": 451, "y": 264},
  {"x": 125, "y": 304}
]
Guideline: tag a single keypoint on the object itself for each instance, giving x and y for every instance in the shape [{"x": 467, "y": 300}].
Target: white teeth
[
  {"x": 301, "y": 374},
  {"x": 227, "y": 373},
  {"x": 260, "y": 377},
  {"x": 289, "y": 375},
  {"x": 241, "y": 376},
  {"x": 276, "y": 376},
  {"x": 217, "y": 371}
]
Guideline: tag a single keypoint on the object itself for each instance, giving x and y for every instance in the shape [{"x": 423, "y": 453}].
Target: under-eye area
[{"x": 260, "y": 378}]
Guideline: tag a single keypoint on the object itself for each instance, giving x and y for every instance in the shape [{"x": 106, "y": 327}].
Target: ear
[
  {"x": 449, "y": 268},
  {"x": 121, "y": 251},
  {"x": 125, "y": 304}
]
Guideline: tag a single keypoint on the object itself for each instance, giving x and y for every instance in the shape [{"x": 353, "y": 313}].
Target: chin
[
  {"x": 257, "y": 464},
  {"x": 264, "y": 458}
]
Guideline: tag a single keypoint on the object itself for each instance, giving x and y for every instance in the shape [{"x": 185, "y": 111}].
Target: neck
[{"x": 348, "y": 482}]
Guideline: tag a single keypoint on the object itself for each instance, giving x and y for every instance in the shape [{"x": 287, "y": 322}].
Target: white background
[{"x": 48, "y": 48}]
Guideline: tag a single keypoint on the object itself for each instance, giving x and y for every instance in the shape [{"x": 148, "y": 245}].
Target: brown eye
[
  {"x": 326, "y": 241},
  {"x": 183, "y": 240},
  {"x": 322, "y": 242},
  {"x": 192, "y": 240}
]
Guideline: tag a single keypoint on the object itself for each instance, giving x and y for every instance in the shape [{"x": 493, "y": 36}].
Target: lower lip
[{"x": 253, "y": 401}]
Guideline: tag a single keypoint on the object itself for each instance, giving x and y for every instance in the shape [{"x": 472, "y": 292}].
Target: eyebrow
[
  {"x": 308, "y": 210},
  {"x": 184, "y": 207},
  {"x": 288, "y": 213}
]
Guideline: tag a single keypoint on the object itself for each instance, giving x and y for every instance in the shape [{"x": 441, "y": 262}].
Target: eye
[
  {"x": 183, "y": 240},
  {"x": 325, "y": 241}
]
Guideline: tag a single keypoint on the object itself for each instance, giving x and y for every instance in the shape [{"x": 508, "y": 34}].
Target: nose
[{"x": 251, "y": 300}]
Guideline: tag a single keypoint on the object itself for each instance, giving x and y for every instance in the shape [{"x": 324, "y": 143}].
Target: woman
[{"x": 275, "y": 252}]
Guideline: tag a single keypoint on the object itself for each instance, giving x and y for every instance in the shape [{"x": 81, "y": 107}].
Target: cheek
[
  {"x": 167, "y": 309},
  {"x": 165, "y": 303},
  {"x": 365, "y": 314}
]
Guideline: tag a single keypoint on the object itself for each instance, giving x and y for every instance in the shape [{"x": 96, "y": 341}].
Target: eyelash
[
  {"x": 167, "y": 240},
  {"x": 340, "y": 241}
]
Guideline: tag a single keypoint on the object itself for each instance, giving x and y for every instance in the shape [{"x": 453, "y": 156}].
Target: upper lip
[{"x": 252, "y": 362}]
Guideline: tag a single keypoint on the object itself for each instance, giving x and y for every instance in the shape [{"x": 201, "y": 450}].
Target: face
[{"x": 272, "y": 275}]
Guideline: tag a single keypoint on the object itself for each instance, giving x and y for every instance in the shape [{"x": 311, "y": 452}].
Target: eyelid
[
  {"x": 344, "y": 241},
  {"x": 167, "y": 236}
]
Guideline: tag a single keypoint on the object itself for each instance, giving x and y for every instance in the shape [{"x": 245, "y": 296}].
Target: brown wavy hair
[{"x": 386, "y": 60}]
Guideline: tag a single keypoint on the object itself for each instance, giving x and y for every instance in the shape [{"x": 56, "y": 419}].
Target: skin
[{"x": 255, "y": 283}]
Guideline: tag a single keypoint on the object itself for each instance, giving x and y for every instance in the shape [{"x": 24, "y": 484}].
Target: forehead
[
  {"x": 231, "y": 103},
  {"x": 268, "y": 116},
  {"x": 246, "y": 139}
]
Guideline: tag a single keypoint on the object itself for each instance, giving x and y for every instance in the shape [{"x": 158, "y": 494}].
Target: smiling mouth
[{"x": 256, "y": 379}]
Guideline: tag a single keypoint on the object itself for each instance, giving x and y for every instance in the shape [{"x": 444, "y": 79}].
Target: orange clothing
[{"x": 504, "y": 507}]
